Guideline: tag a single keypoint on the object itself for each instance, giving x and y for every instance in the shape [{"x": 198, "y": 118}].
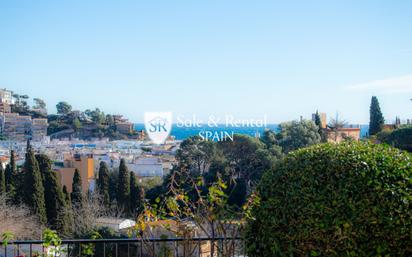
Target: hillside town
[{"x": 68, "y": 154}]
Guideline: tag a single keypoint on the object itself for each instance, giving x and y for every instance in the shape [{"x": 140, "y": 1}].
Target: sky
[{"x": 285, "y": 59}]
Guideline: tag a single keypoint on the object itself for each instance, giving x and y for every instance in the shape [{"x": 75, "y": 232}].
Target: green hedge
[
  {"x": 349, "y": 199},
  {"x": 400, "y": 138}
]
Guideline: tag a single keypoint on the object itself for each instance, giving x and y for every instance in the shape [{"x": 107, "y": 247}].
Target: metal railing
[{"x": 128, "y": 247}]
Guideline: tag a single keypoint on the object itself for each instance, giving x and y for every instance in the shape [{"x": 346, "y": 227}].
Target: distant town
[{"x": 79, "y": 140}]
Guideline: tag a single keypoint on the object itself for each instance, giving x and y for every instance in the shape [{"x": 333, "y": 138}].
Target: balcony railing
[{"x": 129, "y": 247}]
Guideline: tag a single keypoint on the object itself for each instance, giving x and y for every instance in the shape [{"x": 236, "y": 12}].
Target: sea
[{"x": 181, "y": 133}]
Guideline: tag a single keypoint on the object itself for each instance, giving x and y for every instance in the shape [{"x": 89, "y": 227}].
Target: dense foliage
[
  {"x": 239, "y": 164},
  {"x": 297, "y": 134},
  {"x": 349, "y": 199},
  {"x": 400, "y": 138}
]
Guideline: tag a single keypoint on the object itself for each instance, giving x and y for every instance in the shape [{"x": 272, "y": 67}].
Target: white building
[
  {"x": 118, "y": 225},
  {"x": 147, "y": 167}
]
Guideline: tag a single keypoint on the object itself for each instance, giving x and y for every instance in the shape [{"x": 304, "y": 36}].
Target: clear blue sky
[{"x": 247, "y": 58}]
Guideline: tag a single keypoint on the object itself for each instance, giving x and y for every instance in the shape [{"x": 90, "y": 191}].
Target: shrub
[
  {"x": 349, "y": 199},
  {"x": 400, "y": 138}
]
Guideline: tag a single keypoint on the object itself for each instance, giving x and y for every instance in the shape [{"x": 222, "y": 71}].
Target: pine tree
[
  {"x": 103, "y": 183},
  {"x": 123, "y": 187},
  {"x": 135, "y": 194},
  {"x": 2, "y": 179},
  {"x": 33, "y": 190},
  {"x": 77, "y": 194},
  {"x": 376, "y": 121},
  {"x": 11, "y": 175},
  {"x": 53, "y": 194}
]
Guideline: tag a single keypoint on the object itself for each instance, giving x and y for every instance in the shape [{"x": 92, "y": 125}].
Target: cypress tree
[
  {"x": 318, "y": 123},
  {"x": 376, "y": 121},
  {"x": 66, "y": 195},
  {"x": 11, "y": 175},
  {"x": 135, "y": 195},
  {"x": 77, "y": 194},
  {"x": 2, "y": 180},
  {"x": 113, "y": 177},
  {"x": 33, "y": 190},
  {"x": 123, "y": 187},
  {"x": 66, "y": 218},
  {"x": 53, "y": 194},
  {"x": 103, "y": 183}
]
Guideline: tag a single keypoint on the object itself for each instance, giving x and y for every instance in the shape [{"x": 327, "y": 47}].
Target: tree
[
  {"x": 247, "y": 158},
  {"x": 33, "y": 190},
  {"x": 76, "y": 123},
  {"x": 53, "y": 194},
  {"x": 63, "y": 108},
  {"x": 135, "y": 194},
  {"x": 39, "y": 103},
  {"x": 297, "y": 134},
  {"x": 376, "y": 121},
  {"x": 272, "y": 144},
  {"x": 318, "y": 123},
  {"x": 66, "y": 196},
  {"x": 113, "y": 178},
  {"x": 2, "y": 180},
  {"x": 77, "y": 193},
  {"x": 123, "y": 187},
  {"x": 10, "y": 175},
  {"x": 103, "y": 183},
  {"x": 18, "y": 220},
  {"x": 336, "y": 125}
]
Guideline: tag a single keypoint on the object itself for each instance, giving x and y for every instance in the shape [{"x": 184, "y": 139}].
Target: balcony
[{"x": 128, "y": 247}]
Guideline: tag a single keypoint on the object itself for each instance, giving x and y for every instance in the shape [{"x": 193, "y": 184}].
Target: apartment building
[
  {"x": 147, "y": 167},
  {"x": 39, "y": 129},
  {"x": 84, "y": 164},
  {"x": 124, "y": 127},
  {"x": 21, "y": 127},
  {"x": 16, "y": 127},
  {"x": 342, "y": 134},
  {"x": 6, "y": 100}
]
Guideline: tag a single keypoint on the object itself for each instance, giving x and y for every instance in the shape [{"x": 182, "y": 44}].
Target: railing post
[
  {"x": 141, "y": 247},
  {"x": 184, "y": 248},
  {"x": 177, "y": 249},
  {"x": 199, "y": 244}
]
